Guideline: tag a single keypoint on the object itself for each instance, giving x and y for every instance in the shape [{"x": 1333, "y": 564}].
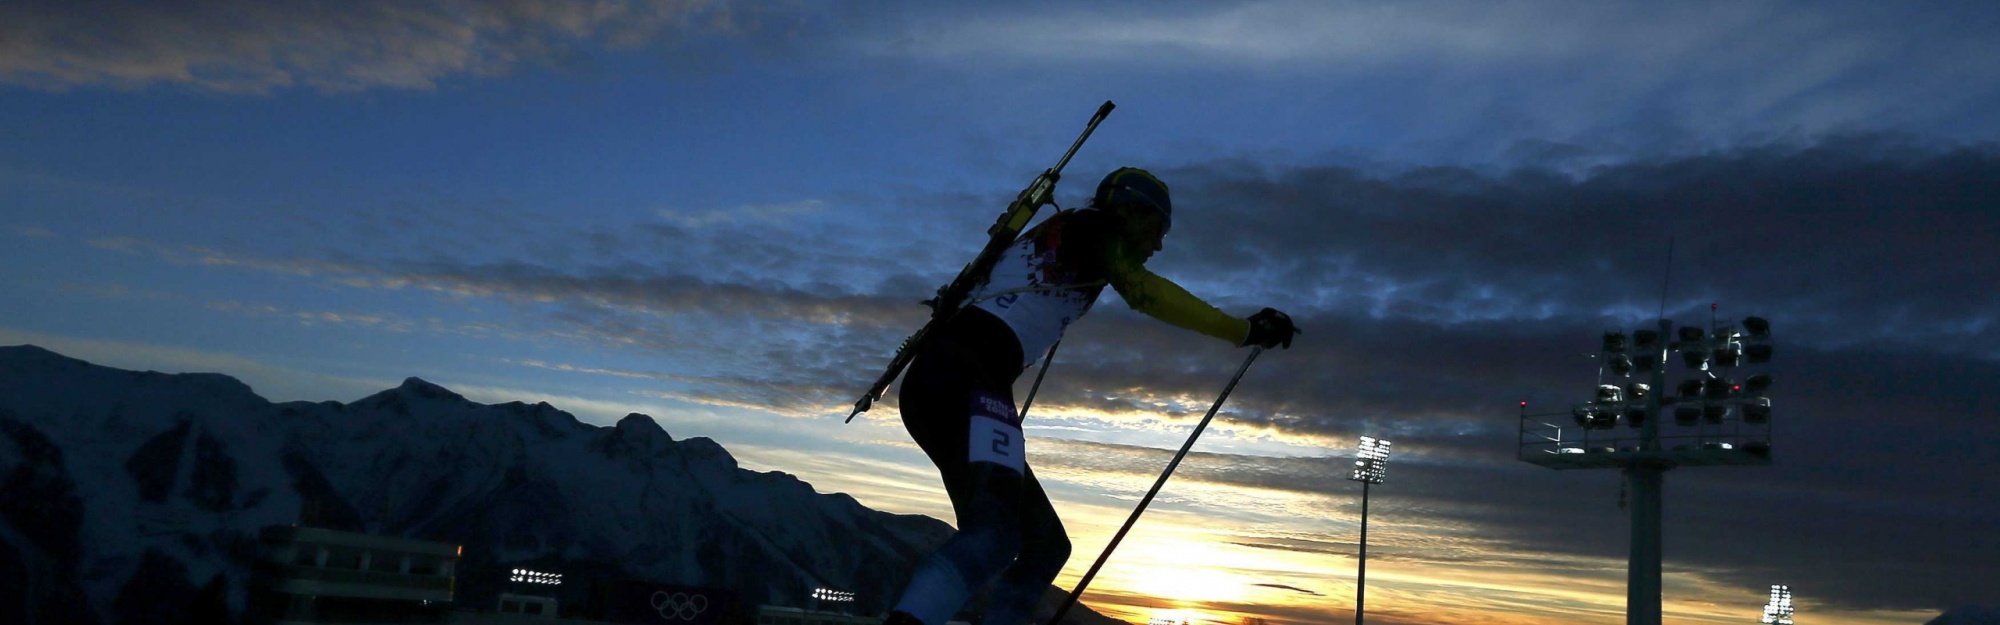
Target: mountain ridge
[{"x": 157, "y": 484}]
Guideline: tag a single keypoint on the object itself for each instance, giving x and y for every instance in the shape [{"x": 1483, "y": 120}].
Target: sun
[
  {"x": 1188, "y": 584},
  {"x": 1181, "y": 617}
]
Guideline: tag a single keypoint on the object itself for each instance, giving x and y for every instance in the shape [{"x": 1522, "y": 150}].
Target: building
[
  {"x": 781, "y": 615},
  {"x": 530, "y": 605},
  {"x": 314, "y": 575}
]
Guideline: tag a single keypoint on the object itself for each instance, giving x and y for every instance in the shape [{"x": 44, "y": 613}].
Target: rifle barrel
[{"x": 951, "y": 297}]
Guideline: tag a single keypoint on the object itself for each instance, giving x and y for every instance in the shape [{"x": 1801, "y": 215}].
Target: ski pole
[
  {"x": 1047, "y": 360},
  {"x": 1074, "y": 595}
]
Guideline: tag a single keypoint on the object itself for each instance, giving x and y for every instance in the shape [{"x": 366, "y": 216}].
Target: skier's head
[{"x": 1141, "y": 199}]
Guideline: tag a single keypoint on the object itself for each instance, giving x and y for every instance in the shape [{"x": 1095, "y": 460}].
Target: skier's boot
[{"x": 901, "y": 618}]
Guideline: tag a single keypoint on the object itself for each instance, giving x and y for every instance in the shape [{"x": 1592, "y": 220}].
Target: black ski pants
[{"x": 1006, "y": 526}]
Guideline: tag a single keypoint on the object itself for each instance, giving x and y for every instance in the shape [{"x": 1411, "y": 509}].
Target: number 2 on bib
[{"x": 995, "y": 433}]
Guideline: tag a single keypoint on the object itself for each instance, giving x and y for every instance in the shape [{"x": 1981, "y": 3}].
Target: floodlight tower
[
  {"x": 1717, "y": 422},
  {"x": 1371, "y": 464},
  {"x": 829, "y": 595},
  {"x": 1779, "y": 610},
  {"x": 526, "y": 576}
]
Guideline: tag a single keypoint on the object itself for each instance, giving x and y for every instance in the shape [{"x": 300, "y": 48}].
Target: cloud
[
  {"x": 1247, "y": 33},
  {"x": 261, "y": 47},
  {"x": 1290, "y": 588},
  {"x": 1463, "y": 81},
  {"x": 829, "y": 339},
  {"x": 386, "y": 321},
  {"x": 197, "y": 255},
  {"x": 766, "y": 213},
  {"x": 1433, "y": 299},
  {"x": 279, "y": 382}
]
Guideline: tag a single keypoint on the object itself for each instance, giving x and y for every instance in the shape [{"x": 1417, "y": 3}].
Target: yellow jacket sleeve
[{"x": 1161, "y": 299}]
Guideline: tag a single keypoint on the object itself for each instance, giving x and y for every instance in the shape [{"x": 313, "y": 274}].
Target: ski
[{"x": 951, "y": 297}]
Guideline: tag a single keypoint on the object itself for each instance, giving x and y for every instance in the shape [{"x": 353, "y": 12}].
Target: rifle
[{"x": 951, "y": 297}]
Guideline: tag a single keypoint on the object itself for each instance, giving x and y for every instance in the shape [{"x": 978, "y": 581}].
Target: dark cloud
[
  {"x": 258, "y": 47},
  {"x": 1867, "y": 228},
  {"x": 1289, "y": 588},
  {"x": 1452, "y": 82},
  {"x": 1434, "y": 299},
  {"x": 1447, "y": 291}
]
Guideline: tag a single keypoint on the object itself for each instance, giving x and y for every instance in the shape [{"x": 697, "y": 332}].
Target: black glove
[{"x": 1270, "y": 328}]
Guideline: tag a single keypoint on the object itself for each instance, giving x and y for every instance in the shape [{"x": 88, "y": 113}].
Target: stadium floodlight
[
  {"x": 1757, "y": 411},
  {"x": 1371, "y": 461},
  {"x": 1621, "y": 365},
  {"x": 1370, "y": 467},
  {"x": 1614, "y": 342},
  {"x": 823, "y": 594},
  {"x": 1645, "y": 340},
  {"x": 1696, "y": 359},
  {"x": 1714, "y": 413},
  {"x": 1690, "y": 389},
  {"x": 1724, "y": 423},
  {"x": 1716, "y": 388},
  {"x": 1758, "y": 327},
  {"x": 1594, "y": 416},
  {"x": 1727, "y": 355},
  {"x": 1638, "y": 390},
  {"x": 1757, "y": 384},
  {"x": 831, "y": 595},
  {"x": 1779, "y": 610},
  {"x": 1585, "y": 415},
  {"x": 525, "y": 576},
  {"x": 1589, "y": 417},
  {"x": 1687, "y": 415}
]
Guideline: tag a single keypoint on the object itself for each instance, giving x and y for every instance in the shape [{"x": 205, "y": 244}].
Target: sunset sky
[{"x": 723, "y": 215}]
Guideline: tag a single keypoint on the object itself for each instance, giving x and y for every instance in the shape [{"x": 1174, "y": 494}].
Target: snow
[
  {"x": 514, "y": 482},
  {"x": 1968, "y": 615}
]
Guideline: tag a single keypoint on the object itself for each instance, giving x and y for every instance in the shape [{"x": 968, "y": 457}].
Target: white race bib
[{"x": 995, "y": 434}]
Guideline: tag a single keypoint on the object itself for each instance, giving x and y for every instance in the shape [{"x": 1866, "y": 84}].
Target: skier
[{"x": 957, "y": 399}]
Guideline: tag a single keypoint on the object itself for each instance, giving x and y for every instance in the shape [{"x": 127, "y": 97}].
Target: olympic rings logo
[{"x": 679, "y": 605}]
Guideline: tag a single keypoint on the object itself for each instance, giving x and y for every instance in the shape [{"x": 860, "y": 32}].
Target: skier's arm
[{"x": 1161, "y": 299}]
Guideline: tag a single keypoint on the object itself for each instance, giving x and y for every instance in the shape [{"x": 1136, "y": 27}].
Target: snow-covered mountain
[
  {"x": 1967, "y": 615},
  {"x": 129, "y": 496}
]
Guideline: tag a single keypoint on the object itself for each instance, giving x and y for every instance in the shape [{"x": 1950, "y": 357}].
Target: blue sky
[{"x": 722, "y": 214}]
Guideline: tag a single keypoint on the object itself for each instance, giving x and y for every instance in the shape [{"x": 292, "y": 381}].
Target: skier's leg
[
  {"x": 987, "y": 540},
  {"x": 961, "y": 428},
  {"x": 1044, "y": 550}
]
